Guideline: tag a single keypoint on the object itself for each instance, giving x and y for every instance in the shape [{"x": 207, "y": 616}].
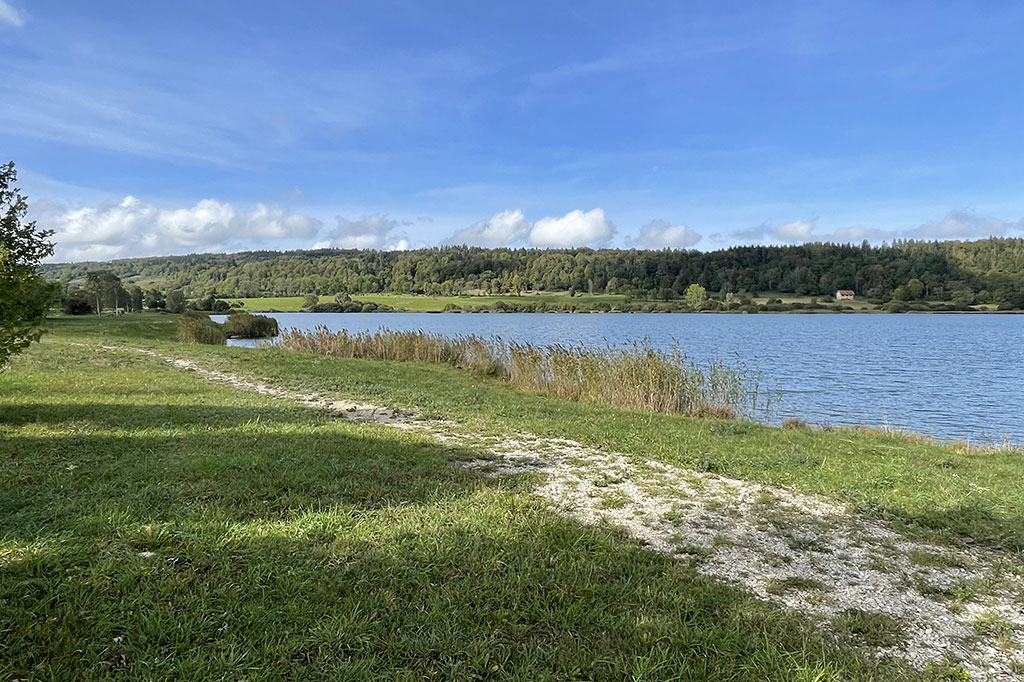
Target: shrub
[
  {"x": 75, "y": 304},
  {"x": 199, "y": 328},
  {"x": 248, "y": 326}
]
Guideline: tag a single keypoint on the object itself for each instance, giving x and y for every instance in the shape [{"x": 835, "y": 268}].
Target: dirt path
[{"x": 927, "y": 604}]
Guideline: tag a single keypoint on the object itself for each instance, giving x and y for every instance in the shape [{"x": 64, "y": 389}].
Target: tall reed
[
  {"x": 638, "y": 377},
  {"x": 196, "y": 327}
]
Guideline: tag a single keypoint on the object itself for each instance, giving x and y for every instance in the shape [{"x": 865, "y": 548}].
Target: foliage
[
  {"x": 155, "y": 299},
  {"x": 175, "y": 301},
  {"x": 695, "y": 296},
  {"x": 210, "y": 304},
  {"x": 25, "y": 297},
  {"x": 195, "y": 327},
  {"x": 310, "y": 300},
  {"x": 75, "y": 302},
  {"x": 637, "y": 378},
  {"x": 248, "y": 326},
  {"x": 988, "y": 270}
]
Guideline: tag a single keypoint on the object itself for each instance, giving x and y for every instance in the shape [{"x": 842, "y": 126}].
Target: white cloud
[
  {"x": 575, "y": 228},
  {"x": 796, "y": 231},
  {"x": 134, "y": 228},
  {"x": 659, "y": 234},
  {"x": 9, "y": 14},
  {"x": 961, "y": 225},
  {"x": 371, "y": 232},
  {"x": 957, "y": 224},
  {"x": 502, "y": 229}
]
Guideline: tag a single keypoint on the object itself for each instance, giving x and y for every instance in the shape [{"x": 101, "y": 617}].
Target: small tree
[
  {"x": 155, "y": 299},
  {"x": 696, "y": 296},
  {"x": 175, "y": 301},
  {"x": 25, "y": 297},
  {"x": 310, "y": 300}
]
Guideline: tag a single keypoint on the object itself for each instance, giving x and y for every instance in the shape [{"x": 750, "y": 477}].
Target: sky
[{"x": 170, "y": 128}]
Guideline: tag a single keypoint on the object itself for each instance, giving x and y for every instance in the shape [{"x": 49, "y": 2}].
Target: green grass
[
  {"x": 153, "y": 526},
  {"x": 930, "y": 490},
  {"x": 940, "y": 492},
  {"x": 869, "y": 628}
]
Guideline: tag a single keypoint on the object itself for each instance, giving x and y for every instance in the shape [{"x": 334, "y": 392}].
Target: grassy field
[{"x": 153, "y": 526}]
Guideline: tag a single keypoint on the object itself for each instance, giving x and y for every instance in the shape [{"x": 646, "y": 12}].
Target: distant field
[
  {"x": 426, "y": 304},
  {"x": 856, "y": 304}
]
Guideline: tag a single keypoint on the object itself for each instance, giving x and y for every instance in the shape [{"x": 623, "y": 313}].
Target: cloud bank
[
  {"x": 510, "y": 228},
  {"x": 660, "y": 234},
  {"x": 134, "y": 227},
  {"x": 957, "y": 224},
  {"x": 371, "y": 232}
]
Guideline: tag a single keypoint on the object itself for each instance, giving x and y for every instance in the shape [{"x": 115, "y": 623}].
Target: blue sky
[{"x": 158, "y": 128}]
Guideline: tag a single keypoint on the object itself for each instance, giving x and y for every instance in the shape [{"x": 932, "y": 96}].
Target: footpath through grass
[
  {"x": 153, "y": 526},
  {"x": 946, "y": 493},
  {"x": 949, "y": 493}
]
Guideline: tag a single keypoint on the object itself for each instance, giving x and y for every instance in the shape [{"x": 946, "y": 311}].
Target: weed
[
  {"x": 793, "y": 583},
  {"x": 869, "y": 628}
]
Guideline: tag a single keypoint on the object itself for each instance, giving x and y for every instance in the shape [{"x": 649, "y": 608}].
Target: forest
[{"x": 964, "y": 272}]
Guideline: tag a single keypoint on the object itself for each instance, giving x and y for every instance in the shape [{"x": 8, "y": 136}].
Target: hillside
[{"x": 989, "y": 270}]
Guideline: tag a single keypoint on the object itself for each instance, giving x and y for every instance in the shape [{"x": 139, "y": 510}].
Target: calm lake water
[{"x": 947, "y": 376}]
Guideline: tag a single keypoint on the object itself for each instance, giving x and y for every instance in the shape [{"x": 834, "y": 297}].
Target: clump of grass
[
  {"x": 199, "y": 328},
  {"x": 943, "y": 560},
  {"x": 244, "y": 325},
  {"x": 869, "y": 628},
  {"x": 791, "y": 583},
  {"x": 638, "y": 377},
  {"x": 795, "y": 424}
]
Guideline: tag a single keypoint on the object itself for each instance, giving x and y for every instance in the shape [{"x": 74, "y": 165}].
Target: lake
[{"x": 946, "y": 376}]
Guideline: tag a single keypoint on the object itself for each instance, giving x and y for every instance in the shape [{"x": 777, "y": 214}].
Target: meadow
[{"x": 157, "y": 526}]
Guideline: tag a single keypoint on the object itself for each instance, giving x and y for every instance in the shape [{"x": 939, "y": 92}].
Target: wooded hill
[{"x": 988, "y": 270}]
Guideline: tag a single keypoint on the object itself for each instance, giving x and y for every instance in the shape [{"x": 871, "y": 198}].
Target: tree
[
  {"x": 105, "y": 290},
  {"x": 695, "y": 296},
  {"x": 310, "y": 300},
  {"x": 135, "y": 297},
  {"x": 25, "y": 297},
  {"x": 175, "y": 301},
  {"x": 155, "y": 299}
]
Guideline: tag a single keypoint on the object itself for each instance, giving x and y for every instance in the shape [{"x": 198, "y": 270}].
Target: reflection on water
[{"x": 948, "y": 376}]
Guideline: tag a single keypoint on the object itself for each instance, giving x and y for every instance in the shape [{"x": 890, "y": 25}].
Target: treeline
[{"x": 984, "y": 271}]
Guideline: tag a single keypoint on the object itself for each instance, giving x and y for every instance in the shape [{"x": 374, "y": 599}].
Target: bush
[
  {"x": 199, "y": 328},
  {"x": 75, "y": 304},
  {"x": 248, "y": 326}
]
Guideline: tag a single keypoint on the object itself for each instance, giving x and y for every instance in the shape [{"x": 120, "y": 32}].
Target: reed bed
[
  {"x": 637, "y": 378},
  {"x": 196, "y": 327}
]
